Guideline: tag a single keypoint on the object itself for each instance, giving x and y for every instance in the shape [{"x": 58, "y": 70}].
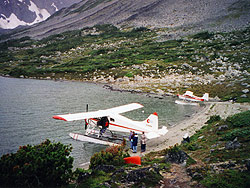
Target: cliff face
[{"x": 221, "y": 15}]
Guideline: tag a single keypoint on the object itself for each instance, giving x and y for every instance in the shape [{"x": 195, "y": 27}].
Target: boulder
[
  {"x": 105, "y": 168},
  {"x": 178, "y": 156},
  {"x": 245, "y": 90},
  {"x": 222, "y": 128},
  {"x": 232, "y": 144},
  {"x": 142, "y": 173},
  {"x": 247, "y": 162},
  {"x": 130, "y": 177},
  {"x": 196, "y": 172},
  {"x": 243, "y": 96}
]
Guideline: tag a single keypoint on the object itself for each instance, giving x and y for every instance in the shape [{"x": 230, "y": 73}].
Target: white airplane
[
  {"x": 116, "y": 122},
  {"x": 191, "y": 97}
]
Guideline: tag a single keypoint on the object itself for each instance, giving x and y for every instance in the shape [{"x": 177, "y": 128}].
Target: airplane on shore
[
  {"x": 100, "y": 125},
  {"x": 189, "y": 96}
]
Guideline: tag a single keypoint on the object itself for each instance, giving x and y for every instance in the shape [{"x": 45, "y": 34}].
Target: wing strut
[{"x": 86, "y": 123}]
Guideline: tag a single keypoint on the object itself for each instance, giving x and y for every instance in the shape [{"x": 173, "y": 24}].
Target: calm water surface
[{"x": 27, "y": 107}]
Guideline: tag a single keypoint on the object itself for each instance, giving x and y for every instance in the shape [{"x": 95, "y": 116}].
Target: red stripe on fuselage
[
  {"x": 195, "y": 98},
  {"x": 120, "y": 126}
]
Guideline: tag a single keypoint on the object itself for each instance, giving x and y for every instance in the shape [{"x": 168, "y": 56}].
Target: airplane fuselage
[
  {"x": 121, "y": 123},
  {"x": 190, "y": 98}
]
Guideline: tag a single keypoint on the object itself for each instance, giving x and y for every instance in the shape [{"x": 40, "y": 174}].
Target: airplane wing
[
  {"x": 125, "y": 108},
  {"x": 80, "y": 116},
  {"x": 99, "y": 113}
]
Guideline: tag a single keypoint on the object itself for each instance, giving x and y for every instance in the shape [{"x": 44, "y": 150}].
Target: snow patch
[
  {"x": 13, "y": 21},
  {"x": 53, "y": 5},
  {"x": 6, "y": 2},
  {"x": 41, "y": 14}
]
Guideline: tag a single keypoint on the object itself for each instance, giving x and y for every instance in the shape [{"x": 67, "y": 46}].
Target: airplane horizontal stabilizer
[{"x": 158, "y": 133}]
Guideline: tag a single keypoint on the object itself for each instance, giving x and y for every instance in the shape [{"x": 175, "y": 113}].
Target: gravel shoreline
[
  {"x": 192, "y": 124},
  {"x": 189, "y": 125}
]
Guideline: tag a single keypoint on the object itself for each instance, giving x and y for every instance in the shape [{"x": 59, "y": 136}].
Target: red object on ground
[{"x": 133, "y": 160}]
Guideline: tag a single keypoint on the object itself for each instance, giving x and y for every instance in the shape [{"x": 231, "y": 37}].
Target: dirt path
[{"x": 177, "y": 177}]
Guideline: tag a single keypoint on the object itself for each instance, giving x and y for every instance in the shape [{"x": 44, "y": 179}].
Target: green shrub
[
  {"x": 113, "y": 155},
  {"x": 108, "y": 28},
  {"x": 240, "y": 120},
  {"x": 140, "y": 29},
  {"x": 228, "y": 179},
  {"x": 151, "y": 179},
  {"x": 192, "y": 146},
  {"x": 203, "y": 35},
  {"x": 46, "y": 164},
  {"x": 190, "y": 161},
  {"x": 17, "y": 72},
  {"x": 129, "y": 74},
  {"x": 240, "y": 132},
  {"x": 213, "y": 119}
]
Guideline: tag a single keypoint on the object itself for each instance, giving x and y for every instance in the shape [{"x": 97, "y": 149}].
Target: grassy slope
[
  {"x": 222, "y": 167},
  {"x": 210, "y": 163},
  {"x": 110, "y": 52},
  {"x": 79, "y": 55}
]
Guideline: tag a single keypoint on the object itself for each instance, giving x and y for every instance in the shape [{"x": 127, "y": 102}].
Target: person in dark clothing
[
  {"x": 131, "y": 135},
  {"x": 135, "y": 141},
  {"x": 104, "y": 122}
]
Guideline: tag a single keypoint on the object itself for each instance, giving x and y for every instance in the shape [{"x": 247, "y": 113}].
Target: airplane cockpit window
[{"x": 111, "y": 119}]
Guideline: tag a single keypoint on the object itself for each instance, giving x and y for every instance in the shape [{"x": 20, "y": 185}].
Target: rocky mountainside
[
  {"x": 14, "y": 13},
  {"x": 190, "y": 16}
]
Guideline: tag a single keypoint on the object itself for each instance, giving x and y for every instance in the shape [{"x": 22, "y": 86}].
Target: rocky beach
[
  {"x": 181, "y": 173},
  {"x": 191, "y": 125}
]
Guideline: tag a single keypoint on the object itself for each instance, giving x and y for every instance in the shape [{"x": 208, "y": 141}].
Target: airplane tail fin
[
  {"x": 205, "y": 96},
  {"x": 152, "y": 123}
]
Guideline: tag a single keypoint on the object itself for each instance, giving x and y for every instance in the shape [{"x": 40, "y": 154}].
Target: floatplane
[
  {"x": 189, "y": 96},
  {"x": 101, "y": 125}
]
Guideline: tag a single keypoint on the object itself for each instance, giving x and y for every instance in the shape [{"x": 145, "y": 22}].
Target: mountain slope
[{"x": 199, "y": 14}]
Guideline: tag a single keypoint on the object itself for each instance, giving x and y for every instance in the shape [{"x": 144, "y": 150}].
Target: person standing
[
  {"x": 135, "y": 141},
  {"x": 104, "y": 122},
  {"x": 143, "y": 142},
  {"x": 131, "y": 135}
]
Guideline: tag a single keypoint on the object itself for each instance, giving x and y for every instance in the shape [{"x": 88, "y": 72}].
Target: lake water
[{"x": 27, "y": 107}]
